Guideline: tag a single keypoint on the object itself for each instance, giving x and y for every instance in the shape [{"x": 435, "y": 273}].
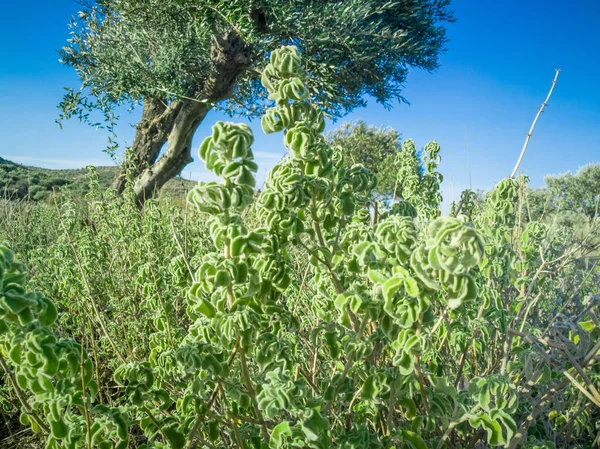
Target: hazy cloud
[{"x": 56, "y": 163}]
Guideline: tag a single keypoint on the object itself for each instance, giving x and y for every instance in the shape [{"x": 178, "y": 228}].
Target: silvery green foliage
[
  {"x": 128, "y": 50},
  {"x": 56, "y": 373},
  {"x": 418, "y": 185},
  {"x": 398, "y": 335},
  {"x": 364, "y": 275},
  {"x": 376, "y": 148},
  {"x": 468, "y": 205}
]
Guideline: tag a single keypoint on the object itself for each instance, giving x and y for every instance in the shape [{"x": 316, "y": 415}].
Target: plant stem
[
  {"x": 182, "y": 251},
  {"x": 453, "y": 424},
  {"x": 191, "y": 440},
  {"x": 391, "y": 403},
  {"x": 236, "y": 432},
  {"x": 417, "y": 363},
  {"x": 252, "y": 393},
  {"x": 86, "y": 413},
  {"x": 349, "y": 362},
  {"x": 21, "y": 396},
  {"x": 88, "y": 288}
]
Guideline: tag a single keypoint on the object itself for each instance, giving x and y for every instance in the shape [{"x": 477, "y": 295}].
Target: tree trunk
[
  {"x": 178, "y": 152},
  {"x": 175, "y": 123},
  {"x": 151, "y": 134}
]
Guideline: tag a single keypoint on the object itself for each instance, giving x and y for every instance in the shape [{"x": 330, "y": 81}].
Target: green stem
[
  {"x": 349, "y": 362},
  {"x": 252, "y": 393},
  {"x": 420, "y": 380},
  {"x": 86, "y": 413},
  {"x": 22, "y": 398},
  {"x": 452, "y": 425},
  {"x": 89, "y": 289},
  {"x": 213, "y": 397}
]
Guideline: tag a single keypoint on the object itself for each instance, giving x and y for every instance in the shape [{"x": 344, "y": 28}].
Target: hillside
[{"x": 22, "y": 182}]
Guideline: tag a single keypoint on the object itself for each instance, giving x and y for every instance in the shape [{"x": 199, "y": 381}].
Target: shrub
[{"x": 328, "y": 324}]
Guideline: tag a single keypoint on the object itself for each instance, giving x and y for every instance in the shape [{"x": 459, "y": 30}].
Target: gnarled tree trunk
[{"x": 175, "y": 123}]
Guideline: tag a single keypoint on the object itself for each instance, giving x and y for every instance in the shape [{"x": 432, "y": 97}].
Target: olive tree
[{"x": 180, "y": 59}]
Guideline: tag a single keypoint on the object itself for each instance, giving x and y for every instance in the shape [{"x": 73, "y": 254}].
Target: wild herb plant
[{"x": 310, "y": 319}]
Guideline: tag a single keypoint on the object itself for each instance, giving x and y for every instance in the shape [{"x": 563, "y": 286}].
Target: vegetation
[
  {"x": 574, "y": 194},
  {"x": 376, "y": 148},
  {"x": 183, "y": 58},
  {"x": 20, "y": 182},
  {"x": 306, "y": 315}
]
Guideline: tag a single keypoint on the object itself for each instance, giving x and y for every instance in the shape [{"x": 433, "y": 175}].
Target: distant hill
[{"x": 22, "y": 182}]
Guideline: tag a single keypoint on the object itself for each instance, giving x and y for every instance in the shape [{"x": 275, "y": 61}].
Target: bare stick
[{"x": 534, "y": 123}]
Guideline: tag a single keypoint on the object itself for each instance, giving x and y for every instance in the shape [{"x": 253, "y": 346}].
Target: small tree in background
[
  {"x": 567, "y": 194},
  {"x": 569, "y": 203},
  {"x": 579, "y": 192},
  {"x": 403, "y": 173},
  {"x": 377, "y": 148},
  {"x": 181, "y": 59}
]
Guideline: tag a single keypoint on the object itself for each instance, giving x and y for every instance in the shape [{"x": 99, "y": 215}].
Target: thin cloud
[{"x": 56, "y": 163}]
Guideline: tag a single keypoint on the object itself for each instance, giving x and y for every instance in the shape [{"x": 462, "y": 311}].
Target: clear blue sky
[{"x": 497, "y": 71}]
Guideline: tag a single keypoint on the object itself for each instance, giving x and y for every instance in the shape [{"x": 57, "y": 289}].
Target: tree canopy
[
  {"x": 377, "y": 148},
  {"x": 130, "y": 50},
  {"x": 182, "y": 58},
  {"x": 573, "y": 193}
]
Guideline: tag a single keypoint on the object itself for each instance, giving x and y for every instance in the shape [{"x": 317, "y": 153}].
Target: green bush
[{"x": 301, "y": 316}]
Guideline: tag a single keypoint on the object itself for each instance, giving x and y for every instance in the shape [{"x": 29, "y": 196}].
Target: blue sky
[{"x": 497, "y": 71}]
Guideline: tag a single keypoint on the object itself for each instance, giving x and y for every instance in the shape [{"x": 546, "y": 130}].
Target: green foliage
[
  {"x": 568, "y": 204},
  {"x": 126, "y": 51},
  {"x": 375, "y": 148},
  {"x": 301, "y": 315},
  {"x": 420, "y": 186},
  {"x": 20, "y": 182},
  {"x": 579, "y": 192},
  {"x": 469, "y": 204},
  {"x": 56, "y": 372}
]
